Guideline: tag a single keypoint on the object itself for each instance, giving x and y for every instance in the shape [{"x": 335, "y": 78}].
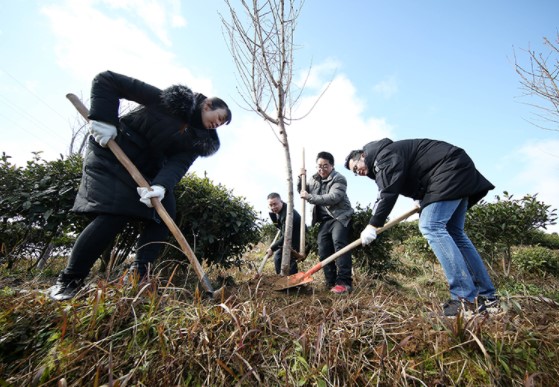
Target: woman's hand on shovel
[{"x": 155, "y": 191}]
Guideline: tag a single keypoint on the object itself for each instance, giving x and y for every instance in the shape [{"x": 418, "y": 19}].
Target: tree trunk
[
  {"x": 302, "y": 231},
  {"x": 287, "y": 241}
]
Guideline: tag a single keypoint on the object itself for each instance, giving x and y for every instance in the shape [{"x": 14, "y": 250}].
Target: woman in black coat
[
  {"x": 445, "y": 181},
  {"x": 162, "y": 137}
]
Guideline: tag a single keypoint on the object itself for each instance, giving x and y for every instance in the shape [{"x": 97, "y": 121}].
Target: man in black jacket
[
  {"x": 162, "y": 137},
  {"x": 445, "y": 181},
  {"x": 278, "y": 212}
]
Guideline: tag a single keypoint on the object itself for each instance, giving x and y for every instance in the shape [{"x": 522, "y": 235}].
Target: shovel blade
[{"x": 292, "y": 280}]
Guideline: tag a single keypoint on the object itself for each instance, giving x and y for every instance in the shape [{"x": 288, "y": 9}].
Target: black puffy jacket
[
  {"x": 421, "y": 169},
  {"x": 162, "y": 137}
]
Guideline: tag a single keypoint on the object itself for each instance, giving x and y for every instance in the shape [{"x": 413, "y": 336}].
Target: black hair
[
  {"x": 354, "y": 155},
  {"x": 274, "y": 195},
  {"x": 326, "y": 156},
  {"x": 218, "y": 103}
]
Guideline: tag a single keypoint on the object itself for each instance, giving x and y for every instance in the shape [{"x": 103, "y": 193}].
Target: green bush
[
  {"x": 35, "y": 217},
  {"x": 541, "y": 238},
  {"x": 219, "y": 226},
  {"x": 536, "y": 259},
  {"x": 495, "y": 227},
  {"x": 35, "y": 203},
  {"x": 268, "y": 233},
  {"x": 417, "y": 249},
  {"x": 374, "y": 258},
  {"x": 405, "y": 230}
]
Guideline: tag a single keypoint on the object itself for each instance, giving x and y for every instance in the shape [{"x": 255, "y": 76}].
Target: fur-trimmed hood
[
  {"x": 205, "y": 141},
  {"x": 181, "y": 102},
  {"x": 154, "y": 138}
]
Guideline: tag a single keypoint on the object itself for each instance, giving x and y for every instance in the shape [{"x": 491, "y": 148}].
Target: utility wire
[
  {"x": 23, "y": 112},
  {"x": 35, "y": 95},
  {"x": 45, "y": 141}
]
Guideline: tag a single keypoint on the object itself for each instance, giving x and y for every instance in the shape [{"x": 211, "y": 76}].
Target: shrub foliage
[
  {"x": 374, "y": 258},
  {"x": 34, "y": 206},
  {"x": 495, "y": 227},
  {"x": 220, "y": 225},
  {"x": 36, "y": 221},
  {"x": 537, "y": 260}
]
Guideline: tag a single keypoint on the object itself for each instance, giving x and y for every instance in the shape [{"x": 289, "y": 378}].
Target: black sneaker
[
  {"x": 451, "y": 308},
  {"x": 491, "y": 303},
  {"x": 65, "y": 288}
]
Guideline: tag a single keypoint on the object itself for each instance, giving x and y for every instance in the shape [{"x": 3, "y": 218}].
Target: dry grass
[{"x": 386, "y": 333}]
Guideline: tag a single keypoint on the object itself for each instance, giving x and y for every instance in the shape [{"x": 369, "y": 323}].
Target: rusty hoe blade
[{"x": 292, "y": 281}]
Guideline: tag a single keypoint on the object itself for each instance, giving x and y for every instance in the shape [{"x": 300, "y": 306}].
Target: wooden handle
[
  {"x": 303, "y": 210},
  {"x": 357, "y": 242},
  {"x": 155, "y": 202},
  {"x": 261, "y": 268}
]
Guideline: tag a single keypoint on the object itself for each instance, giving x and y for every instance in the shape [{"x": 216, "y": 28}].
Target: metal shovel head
[{"x": 292, "y": 281}]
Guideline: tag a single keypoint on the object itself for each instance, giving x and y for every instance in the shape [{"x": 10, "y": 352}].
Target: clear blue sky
[{"x": 401, "y": 69}]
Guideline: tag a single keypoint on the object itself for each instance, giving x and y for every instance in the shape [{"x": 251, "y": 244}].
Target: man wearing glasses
[
  {"x": 326, "y": 190},
  {"x": 445, "y": 181}
]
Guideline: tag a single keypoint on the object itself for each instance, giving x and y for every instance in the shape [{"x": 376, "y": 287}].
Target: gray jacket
[{"x": 334, "y": 200}]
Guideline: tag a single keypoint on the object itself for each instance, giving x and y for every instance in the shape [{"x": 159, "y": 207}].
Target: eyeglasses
[
  {"x": 324, "y": 167},
  {"x": 355, "y": 169}
]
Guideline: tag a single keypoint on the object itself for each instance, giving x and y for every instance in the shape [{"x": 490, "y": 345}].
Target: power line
[
  {"x": 35, "y": 95},
  {"x": 23, "y": 112},
  {"x": 48, "y": 137}
]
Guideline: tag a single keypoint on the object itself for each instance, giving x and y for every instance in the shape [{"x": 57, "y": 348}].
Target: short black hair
[
  {"x": 354, "y": 155},
  {"x": 326, "y": 156},
  {"x": 274, "y": 195}
]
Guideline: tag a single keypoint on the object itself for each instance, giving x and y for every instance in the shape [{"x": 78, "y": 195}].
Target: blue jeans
[{"x": 442, "y": 224}]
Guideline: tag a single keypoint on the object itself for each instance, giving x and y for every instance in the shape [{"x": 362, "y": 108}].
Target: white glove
[
  {"x": 157, "y": 191},
  {"x": 368, "y": 235},
  {"x": 102, "y": 132}
]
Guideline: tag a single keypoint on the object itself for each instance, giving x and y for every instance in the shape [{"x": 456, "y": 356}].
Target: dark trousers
[
  {"x": 101, "y": 232},
  {"x": 277, "y": 262},
  {"x": 332, "y": 237}
]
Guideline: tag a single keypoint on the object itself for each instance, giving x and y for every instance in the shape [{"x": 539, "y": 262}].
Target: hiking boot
[
  {"x": 491, "y": 303},
  {"x": 341, "y": 289},
  {"x": 66, "y": 287},
  {"x": 452, "y": 308}
]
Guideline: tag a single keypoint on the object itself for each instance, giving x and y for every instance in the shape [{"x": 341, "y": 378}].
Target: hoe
[
  {"x": 156, "y": 203},
  {"x": 305, "y": 277}
]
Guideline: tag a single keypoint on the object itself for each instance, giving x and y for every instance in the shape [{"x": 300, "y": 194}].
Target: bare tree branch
[
  {"x": 541, "y": 79},
  {"x": 260, "y": 36}
]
